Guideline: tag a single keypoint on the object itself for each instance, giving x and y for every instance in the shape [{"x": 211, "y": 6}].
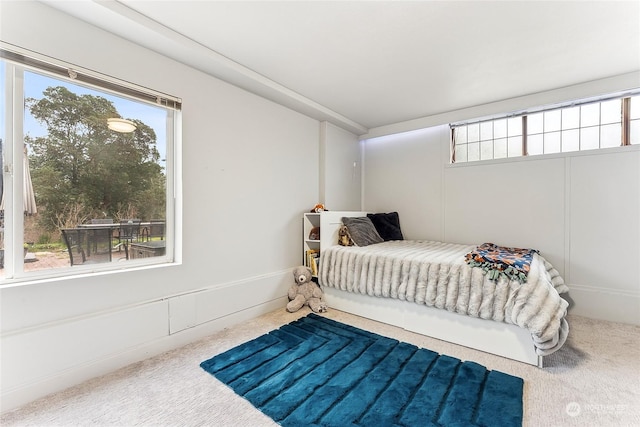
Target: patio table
[{"x": 147, "y": 249}]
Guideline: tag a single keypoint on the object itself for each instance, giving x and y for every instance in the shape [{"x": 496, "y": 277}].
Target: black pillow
[
  {"x": 361, "y": 231},
  {"x": 387, "y": 225}
]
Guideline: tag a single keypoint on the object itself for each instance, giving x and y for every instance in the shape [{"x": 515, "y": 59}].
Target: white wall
[
  {"x": 603, "y": 231},
  {"x": 244, "y": 188},
  {"x": 340, "y": 169},
  {"x": 519, "y": 203},
  {"x": 581, "y": 210},
  {"x": 403, "y": 173}
]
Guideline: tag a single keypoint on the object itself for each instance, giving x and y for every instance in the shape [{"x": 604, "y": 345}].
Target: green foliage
[
  {"x": 82, "y": 170},
  {"x": 50, "y": 246},
  {"x": 44, "y": 239}
]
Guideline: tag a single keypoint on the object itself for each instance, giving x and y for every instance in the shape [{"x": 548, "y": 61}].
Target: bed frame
[{"x": 497, "y": 338}]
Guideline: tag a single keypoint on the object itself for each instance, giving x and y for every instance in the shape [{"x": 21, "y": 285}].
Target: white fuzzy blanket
[{"x": 436, "y": 274}]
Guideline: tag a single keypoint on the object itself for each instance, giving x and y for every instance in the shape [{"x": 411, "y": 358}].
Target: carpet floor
[
  {"x": 593, "y": 380},
  {"x": 316, "y": 371}
]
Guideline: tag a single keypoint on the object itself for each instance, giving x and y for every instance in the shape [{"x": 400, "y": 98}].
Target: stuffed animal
[
  {"x": 305, "y": 292},
  {"x": 314, "y": 234},
  {"x": 318, "y": 208},
  {"x": 343, "y": 237}
]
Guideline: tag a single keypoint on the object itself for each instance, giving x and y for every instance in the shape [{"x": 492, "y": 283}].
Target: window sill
[
  {"x": 595, "y": 152},
  {"x": 49, "y": 276}
]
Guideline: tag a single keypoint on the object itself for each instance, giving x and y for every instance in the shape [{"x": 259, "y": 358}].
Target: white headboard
[{"x": 330, "y": 223}]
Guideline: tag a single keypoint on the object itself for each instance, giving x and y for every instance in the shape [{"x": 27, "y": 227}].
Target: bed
[{"x": 429, "y": 287}]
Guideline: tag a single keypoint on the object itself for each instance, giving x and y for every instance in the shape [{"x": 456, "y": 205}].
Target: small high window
[{"x": 581, "y": 125}]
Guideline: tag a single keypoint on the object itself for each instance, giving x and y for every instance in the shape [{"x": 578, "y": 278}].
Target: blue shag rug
[{"x": 319, "y": 372}]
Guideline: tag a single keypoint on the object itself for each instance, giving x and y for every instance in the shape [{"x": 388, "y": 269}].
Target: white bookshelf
[{"x": 329, "y": 223}]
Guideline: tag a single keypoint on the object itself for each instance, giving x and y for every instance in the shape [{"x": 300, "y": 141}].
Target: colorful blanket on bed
[{"x": 496, "y": 261}]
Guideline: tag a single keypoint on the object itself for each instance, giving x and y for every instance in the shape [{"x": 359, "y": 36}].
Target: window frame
[
  {"x": 16, "y": 62},
  {"x": 625, "y": 128}
]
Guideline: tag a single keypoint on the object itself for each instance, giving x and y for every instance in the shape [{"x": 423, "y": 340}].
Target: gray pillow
[{"x": 362, "y": 231}]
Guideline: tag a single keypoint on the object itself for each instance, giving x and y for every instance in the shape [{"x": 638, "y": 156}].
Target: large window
[
  {"x": 581, "y": 125},
  {"x": 87, "y": 161}
]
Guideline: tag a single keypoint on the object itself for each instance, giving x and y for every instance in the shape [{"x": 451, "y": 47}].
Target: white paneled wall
[
  {"x": 510, "y": 204},
  {"x": 47, "y": 358},
  {"x": 581, "y": 210},
  {"x": 197, "y": 308},
  {"x": 40, "y": 360},
  {"x": 605, "y": 205},
  {"x": 57, "y": 340},
  {"x": 604, "y": 230}
]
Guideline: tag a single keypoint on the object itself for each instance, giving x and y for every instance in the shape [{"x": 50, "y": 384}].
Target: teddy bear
[{"x": 305, "y": 292}]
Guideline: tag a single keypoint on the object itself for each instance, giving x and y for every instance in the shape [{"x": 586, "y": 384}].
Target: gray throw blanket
[{"x": 436, "y": 274}]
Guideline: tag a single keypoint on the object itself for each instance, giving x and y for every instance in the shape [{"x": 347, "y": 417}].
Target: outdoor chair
[
  {"x": 128, "y": 232},
  {"x": 87, "y": 246},
  {"x": 155, "y": 229}
]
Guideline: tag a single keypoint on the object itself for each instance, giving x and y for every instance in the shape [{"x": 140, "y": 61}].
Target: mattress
[{"x": 435, "y": 274}]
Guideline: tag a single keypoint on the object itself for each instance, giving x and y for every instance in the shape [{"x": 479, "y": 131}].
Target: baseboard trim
[{"x": 605, "y": 304}]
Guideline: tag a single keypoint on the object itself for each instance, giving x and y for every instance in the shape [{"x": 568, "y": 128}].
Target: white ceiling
[{"x": 366, "y": 64}]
